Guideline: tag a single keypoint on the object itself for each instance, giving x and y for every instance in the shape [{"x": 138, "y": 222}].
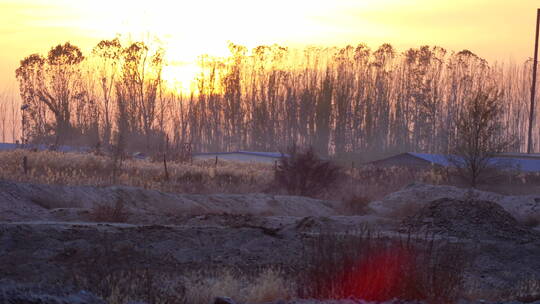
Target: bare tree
[
  {"x": 343, "y": 101},
  {"x": 109, "y": 52},
  {"x": 3, "y": 114},
  {"x": 140, "y": 81},
  {"x": 53, "y": 81},
  {"x": 479, "y": 137}
]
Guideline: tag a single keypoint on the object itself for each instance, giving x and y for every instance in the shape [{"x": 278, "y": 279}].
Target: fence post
[
  {"x": 275, "y": 170},
  {"x": 25, "y": 165},
  {"x": 165, "y": 167}
]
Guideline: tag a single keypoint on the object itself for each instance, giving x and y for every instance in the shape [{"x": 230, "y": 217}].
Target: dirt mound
[
  {"x": 16, "y": 203},
  {"x": 410, "y": 199},
  {"x": 28, "y": 202},
  {"x": 470, "y": 219}
]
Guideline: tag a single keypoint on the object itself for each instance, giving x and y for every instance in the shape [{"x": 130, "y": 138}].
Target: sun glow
[
  {"x": 188, "y": 29},
  {"x": 180, "y": 77}
]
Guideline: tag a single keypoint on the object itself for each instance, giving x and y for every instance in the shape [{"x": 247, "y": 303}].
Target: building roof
[
  {"x": 531, "y": 164},
  {"x": 255, "y": 153},
  {"x": 437, "y": 159},
  {"x": 519, "y": 155},
  {"x": 522, "y": 164},
  {"x": 7, "y": 146}
]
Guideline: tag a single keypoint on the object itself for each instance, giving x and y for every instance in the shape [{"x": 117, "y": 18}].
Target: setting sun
[
  {"x": 188, "y": 29},
  {"x": 278, "y": 152}
]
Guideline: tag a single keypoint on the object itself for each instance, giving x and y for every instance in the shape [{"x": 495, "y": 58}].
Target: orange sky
[{"x": 494, "y": 29}]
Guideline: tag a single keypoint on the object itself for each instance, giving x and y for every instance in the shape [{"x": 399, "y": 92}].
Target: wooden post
[
  {"x": 25, "y": 165},
  {"x": 533, "y": 86},
  {"x": 215, "y": 164},
  {"x": 165, "y": 167}
]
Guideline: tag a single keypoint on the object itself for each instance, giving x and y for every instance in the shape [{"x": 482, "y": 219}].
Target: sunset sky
[{"x": 494, "y": 29}]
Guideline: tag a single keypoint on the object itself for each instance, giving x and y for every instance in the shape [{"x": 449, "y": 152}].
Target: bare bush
[
  {"x": 111, "y": 214},
  {"x": 115, "y": 272},
  {"x": 356, "y": 204},
  {"x": 304, "y": 173},
  {"x": 361, "y": 266}
]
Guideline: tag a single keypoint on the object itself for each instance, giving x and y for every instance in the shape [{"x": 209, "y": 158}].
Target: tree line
[{"x": 342, "y": 101}]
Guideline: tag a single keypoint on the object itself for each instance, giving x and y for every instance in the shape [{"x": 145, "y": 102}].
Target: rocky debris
[
  {"x": 408, "y": 200},
  {"x": 468, "y": 219},
  {"x": 19, "y": 294}
]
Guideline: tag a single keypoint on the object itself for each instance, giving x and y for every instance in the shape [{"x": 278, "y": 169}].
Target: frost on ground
[
  {"x": 45, "y": 236},
  {"x": 21, "y": 202}
]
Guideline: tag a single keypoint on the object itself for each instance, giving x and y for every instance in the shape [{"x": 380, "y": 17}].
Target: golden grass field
[
  {"x": 205, "y": 176},
  {"x": 49, "y": 167}
]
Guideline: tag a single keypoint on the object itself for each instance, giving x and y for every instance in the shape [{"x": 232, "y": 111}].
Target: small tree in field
[
  {"x": 479, "y": 137},
  {"x": 304, "y": 173}
]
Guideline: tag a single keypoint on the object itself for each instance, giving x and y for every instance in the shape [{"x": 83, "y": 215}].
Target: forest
[{"x": 345, "y": 102}]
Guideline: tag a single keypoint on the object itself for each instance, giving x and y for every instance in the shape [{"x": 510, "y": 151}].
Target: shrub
[
  {"x": 356, "y": 204},
  {"x": 304, "y": 173},
  {"x": 111, "y": 214},
  {"x": 361, "y": 266}
]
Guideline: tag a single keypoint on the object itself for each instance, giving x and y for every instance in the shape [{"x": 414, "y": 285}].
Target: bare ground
[{"x": 45, "y": 235}]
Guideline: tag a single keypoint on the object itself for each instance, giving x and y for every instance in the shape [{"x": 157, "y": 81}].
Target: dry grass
[
  {"x": 116, "y": 213},
  {"x": 527, "y": 290},
  {"x": 266, "y": 286},
  {"x": 362, "y": 266},
  {"x": 524, "y": 290},
  {"x": 51, "y": 167},
  {"x": 195, "y": 287}
]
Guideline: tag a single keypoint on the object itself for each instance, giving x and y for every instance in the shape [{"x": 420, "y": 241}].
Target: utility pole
[{"x": 533, "y": 86}]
